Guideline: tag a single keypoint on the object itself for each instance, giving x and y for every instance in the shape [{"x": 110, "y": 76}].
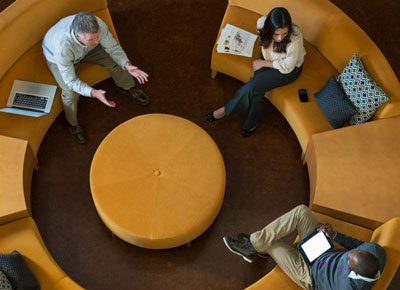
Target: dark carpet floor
[{"x": 172, "y": 41}]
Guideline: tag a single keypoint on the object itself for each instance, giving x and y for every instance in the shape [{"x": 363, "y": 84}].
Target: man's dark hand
[{"x": 327, "y": 228}]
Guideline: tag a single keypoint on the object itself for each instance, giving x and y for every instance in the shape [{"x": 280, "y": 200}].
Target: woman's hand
[{"x": 259, "y": 63}]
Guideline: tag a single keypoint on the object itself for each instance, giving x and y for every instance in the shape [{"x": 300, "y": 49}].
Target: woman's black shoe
[
  {"x": 210, "y": 117},
  {"x": 247, "y": 133}
]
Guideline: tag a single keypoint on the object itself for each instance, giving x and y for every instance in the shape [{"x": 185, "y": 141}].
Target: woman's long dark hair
[{"x": 278, "y": 18}]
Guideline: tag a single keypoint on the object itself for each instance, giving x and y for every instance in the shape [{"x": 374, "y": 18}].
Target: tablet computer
[{"x": 314, "y": 245}]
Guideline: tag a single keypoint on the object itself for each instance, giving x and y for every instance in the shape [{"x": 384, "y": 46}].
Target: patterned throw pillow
[
  {"x": 18, "y": 273},
  {"x": 4, "y": 283},
  {"x": 334, "y": 103},
  {"x": 362, "y": 90}
]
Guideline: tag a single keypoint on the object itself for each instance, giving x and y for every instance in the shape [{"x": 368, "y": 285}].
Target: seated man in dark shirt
[{"x": 358, "y": 268}]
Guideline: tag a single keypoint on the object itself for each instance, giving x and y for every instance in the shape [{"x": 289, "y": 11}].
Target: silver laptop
[{"x": 30, "y": 99}]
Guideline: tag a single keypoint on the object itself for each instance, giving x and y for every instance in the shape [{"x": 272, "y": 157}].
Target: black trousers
[{"x": 251, "y": 95}]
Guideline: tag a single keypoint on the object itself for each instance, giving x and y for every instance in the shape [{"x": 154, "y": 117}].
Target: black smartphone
[{"x": 303, "y": 95}]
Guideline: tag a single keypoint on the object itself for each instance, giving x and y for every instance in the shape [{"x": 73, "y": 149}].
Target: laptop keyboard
[{"x": 30, "y": 101}]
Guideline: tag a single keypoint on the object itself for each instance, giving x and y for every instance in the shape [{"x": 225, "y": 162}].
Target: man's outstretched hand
[
  {"x": 138, "y": 74},
  {"x": 101, "y": 96},
  {"x": 327, "y": 228}
]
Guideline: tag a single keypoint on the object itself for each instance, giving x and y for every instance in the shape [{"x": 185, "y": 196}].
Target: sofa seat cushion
[
  {"x": 68, "y": 284},
  {"x": 275, "y": 279},
  {"x": 32, "y": 67},
  {"x": 23, "y": 235},
  {"x": 238, "y": 67},
  {"x": 305, "y": 118}
]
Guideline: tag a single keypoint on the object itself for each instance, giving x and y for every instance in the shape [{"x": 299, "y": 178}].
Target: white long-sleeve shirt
[
  {"x": 61, "y": 47},
  {"x": 294, "y": 55}
]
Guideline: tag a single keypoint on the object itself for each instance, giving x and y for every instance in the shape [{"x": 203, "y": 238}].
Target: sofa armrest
[{"x": 388, "y": 236}]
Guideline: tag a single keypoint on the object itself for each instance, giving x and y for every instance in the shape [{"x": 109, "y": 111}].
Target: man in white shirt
[{"x": 85, "y": 37}]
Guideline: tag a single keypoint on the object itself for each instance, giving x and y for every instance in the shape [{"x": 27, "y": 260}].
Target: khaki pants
[
  {"x": 70, "y": 98},
  {"x": 277, "y": 238}
]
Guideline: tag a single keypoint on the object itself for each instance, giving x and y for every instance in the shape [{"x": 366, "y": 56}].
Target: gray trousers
[
  {"x": 251, "y": 95},
  {"x": 70, "y": 98},
  {"x": 277, "y": 239}
]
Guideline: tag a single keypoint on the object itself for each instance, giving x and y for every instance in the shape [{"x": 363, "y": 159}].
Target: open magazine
[{"x": 234, "y": 40}]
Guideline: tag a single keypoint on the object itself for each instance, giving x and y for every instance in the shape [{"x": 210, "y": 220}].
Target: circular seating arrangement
[
  {"x": 23, "y": 135},
  {"x": 162, "y": 188}
]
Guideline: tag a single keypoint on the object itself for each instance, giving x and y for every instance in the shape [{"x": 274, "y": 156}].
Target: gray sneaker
[
  {"x": 242, "y": 248},
  {"x": 243, "y": 236}
]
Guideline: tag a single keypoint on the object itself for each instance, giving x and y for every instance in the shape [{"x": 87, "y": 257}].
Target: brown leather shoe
[
  {"x": 138, "y": 96},
  {"x": 78, "y": 133}
]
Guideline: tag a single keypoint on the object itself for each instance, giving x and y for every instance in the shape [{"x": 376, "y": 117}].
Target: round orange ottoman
[{"x": 157, "y": 181}]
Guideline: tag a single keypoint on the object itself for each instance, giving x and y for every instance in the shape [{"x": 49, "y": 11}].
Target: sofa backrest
[
  {"x": 23, "y": 24},
  {"x": 337, "y": 37}
]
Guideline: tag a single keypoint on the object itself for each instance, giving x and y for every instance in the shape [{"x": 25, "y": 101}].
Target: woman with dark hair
[{"x": 280, "y": 64}]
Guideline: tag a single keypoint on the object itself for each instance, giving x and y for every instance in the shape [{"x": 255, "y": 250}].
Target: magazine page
[{"x": 234, "y": 40}]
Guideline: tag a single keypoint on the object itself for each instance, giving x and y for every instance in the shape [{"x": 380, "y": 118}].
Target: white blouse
[{"x": 294, "y": 55}]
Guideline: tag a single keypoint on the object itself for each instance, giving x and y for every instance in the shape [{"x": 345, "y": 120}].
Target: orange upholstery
[
  {"x": 67, "y": 284},
  {"x": 16, "y": 166},
  {"x": 275, "y": 279},
  {"x": 387, "y": 236},
  {"x": 331, "y": 38},
  {"x": 354, "y": 172},
  {"x": 22, "y": 235},
  {"x": 236, "y": 66},
  {"x": 158, "y": 181}
]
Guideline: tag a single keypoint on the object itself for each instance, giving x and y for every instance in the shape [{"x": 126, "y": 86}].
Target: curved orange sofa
[
  {"x": 330, "y": 39},
  {"x": 22, "y": 27}
]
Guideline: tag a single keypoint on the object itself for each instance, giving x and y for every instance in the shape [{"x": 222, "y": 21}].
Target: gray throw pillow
[
  {"x": 334, "y": 103},
  {"x": 4, "y": 283},
  {"x": 18, "y": 273}
]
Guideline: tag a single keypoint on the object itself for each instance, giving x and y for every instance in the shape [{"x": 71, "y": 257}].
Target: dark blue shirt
[{"x": 331, "y": 270}]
